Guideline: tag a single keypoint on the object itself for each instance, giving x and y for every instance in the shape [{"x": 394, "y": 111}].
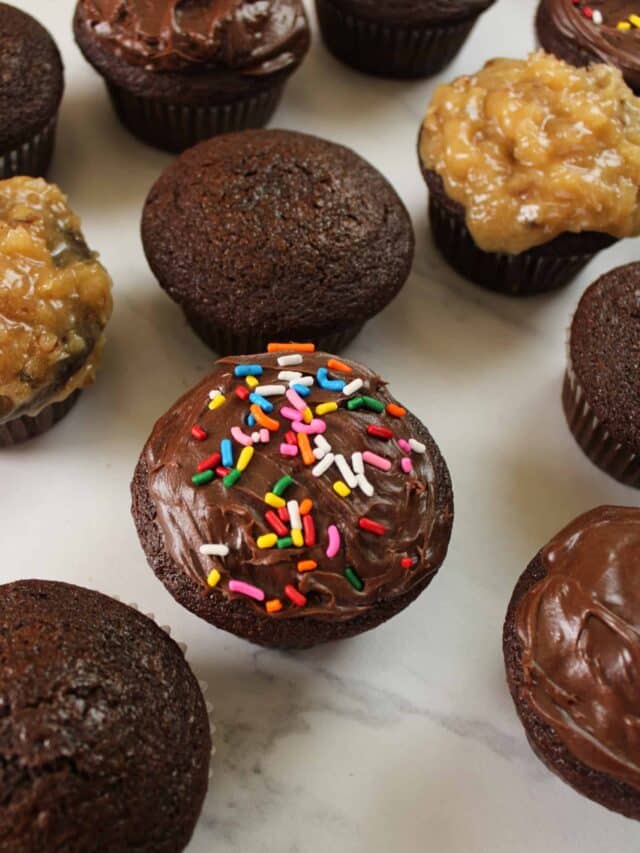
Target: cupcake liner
[
  {"x": 176, "y": 127},
  {"x": 23, "y": 428},
  {"x": 31, "y": 157},
  {"x": 612, "y": 457},
  {"x": 395, "y": 51}
]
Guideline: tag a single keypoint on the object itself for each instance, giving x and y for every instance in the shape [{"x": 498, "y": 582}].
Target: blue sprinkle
[
  {"x": 302, "y": 390},
  {"x": 251, "y": 421},
  {"x": 328, "y": 384},
  {"x": 248, "y": 370},
  {"x": 226, "y": 451},
  {"x": 261, "y": 401}
]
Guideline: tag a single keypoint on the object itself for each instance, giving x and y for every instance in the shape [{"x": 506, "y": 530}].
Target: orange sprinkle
[
  {"x": 336, "y": 364},
  {"x": 291, "y": 348},
  {"x": 306, "y": 506},
  {"x": 305, "y": 449},
  {"x": 394, "y": 410},
  {"x": 264, "y": 420},
  {"x": 273, "y": 605},
  {"x": 307, "y": 565}
]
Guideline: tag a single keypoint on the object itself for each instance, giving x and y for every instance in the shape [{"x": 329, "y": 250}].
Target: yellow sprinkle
[
  {"x": 325, "y": 408},
  {"x": 623, "y": 25},
  {"x": 218, "y": 401},
  {"x": 341, "y": 489},
  {"x": 214, "y": 578},
  {"x": 269, "y": 540},
  {"x": 274, "y": 500},
  {"x": 246, "y": 455},
  {"x": 635, "y": 20},
  {"x": 307, "y": 415},
  {"x": 252, "y": 382},
  {"x": 297, "y": 537}
]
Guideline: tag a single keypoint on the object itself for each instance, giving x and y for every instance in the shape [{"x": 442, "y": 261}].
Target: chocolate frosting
[
  {"x": 254, "y": 37},
  {"x": 580, "y": 632},
  {"x": 409, "y": 505},
  {"x": 415, "y": 12},
  {"x": 604, "y": 41}
]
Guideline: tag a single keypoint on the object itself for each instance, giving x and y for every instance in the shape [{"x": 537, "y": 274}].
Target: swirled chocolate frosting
[
  {"x": 255, "y": 37},
  {"x": 603, "y": 40},
  {"x": 302, "y": 533},
  {"x": 580, "y": 631}
]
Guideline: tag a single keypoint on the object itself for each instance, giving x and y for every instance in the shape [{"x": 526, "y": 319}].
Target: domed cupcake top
[{"x": 295, "y": 481}]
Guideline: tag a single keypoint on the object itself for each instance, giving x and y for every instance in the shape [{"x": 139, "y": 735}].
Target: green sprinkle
[
  {"x": 371, "y": 403},
  {"x": 232, "y": 478},
  {"x": 354, "y": 579},
  {"x": 203, "y": 478},
  {"x": 355, "y": 403},
  {"x": 282, "y": 485},
  {"x": 285, "y": 542}
]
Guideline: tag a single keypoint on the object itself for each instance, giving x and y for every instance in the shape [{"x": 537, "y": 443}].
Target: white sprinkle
[
  {"x": 215, "y": 393},
  {"x": 357, "y": 463},
  {"x": 212, "y": 550},
  {"x": 365, "y": 485},
  {"x": 319, "y": 453},
  {"x": 325, "y": 463},
  {"x": 596, "y": 16},
  {"x": 289, "y": 375},
  {"x": 347, "y": 474},
  {"x": 255, "y": 437},
  {"x": 270, "y": 390},
  {"x": 321, "y": 443},
  {"x": 288, "y": 360},
  {"x": 304, "y": 380},
  {"x": 417, "y": 446},
  {"x": 352, "y": 387},
  {"x": 294, "y": 515}
]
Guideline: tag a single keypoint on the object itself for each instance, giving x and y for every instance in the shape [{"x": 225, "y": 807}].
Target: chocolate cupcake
[
  {"x": 601, "y": 393},
  {"x": 397, "y": 38},
  {"x": 276, "y": 235},
  {"x": 532, "y": 167},
  {"x": 104, "y": 735},
  {"x": 31, "y": 85},
  {"x": 180, "y": 72},
  {"x": 598, "y": 31},
  {"x": 55, "y": 301},
  {"x": 572, "y": 655},
  {"x": 290, "y": 500}
]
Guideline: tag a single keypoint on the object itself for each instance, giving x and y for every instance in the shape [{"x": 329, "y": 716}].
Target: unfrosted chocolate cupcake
[
  {"x": 104, "y": 735},
  {"x": 31, "y": 85},
  {"x": 596, "y": 31},
  {"x": 180, "y": 72},
  {"x": 398, "y": 38},
  {"x": 276, "y": 235},
  {"x": 572, "y": 655},
  {"x": 601, "y": 394},
  {"x": 290, "y": 500}
]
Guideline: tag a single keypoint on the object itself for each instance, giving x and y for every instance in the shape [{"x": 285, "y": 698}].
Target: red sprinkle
[
  {"x": 273, "y": 521},
  {"x": 309, "y": 529},
  {"x": 587, "y": 12},
  {"x": 283, "y": 512},
  {"x": 297, "y": 597},
  {"x": 290, "y": 438},
  {"x": 198, "y": 433},
  {"x": 210, "y": 462},
  {"x": 222, "y": 472},
  {"x": 242, "y": 391},
  {"x": 380, "y": 432},
  {"x": 365, "y": 523},
  {"x": 406, "y": 562}
]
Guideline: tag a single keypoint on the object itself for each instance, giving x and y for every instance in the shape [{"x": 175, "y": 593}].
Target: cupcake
[
  {"x": 397, "y": 38},
  {"x": 31, "y": 84},
  {"x": 104, "y": 735},
  {"x": 178, "y": 73},
  {"x": 290, "y": 500},
  {"x": 55, "y": 300},
  {"x": 276, "y": 235},
  {"x": 532, "y": 167},
  {"x": 601, "y": 393},
  {"x": 598, "y": 31},
  {"x": 572, "y": 654}
]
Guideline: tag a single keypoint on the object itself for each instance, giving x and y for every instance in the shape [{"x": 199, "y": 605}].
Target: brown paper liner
[
  {"x": 612, "y": 457},
  {"x": 395, "y": 51},
  {"x": 24, "y": 428},
  {"x": 31, "y": 157}
]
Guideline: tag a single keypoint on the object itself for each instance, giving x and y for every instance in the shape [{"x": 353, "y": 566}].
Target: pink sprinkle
[
  {"x": 289, "y": 449},
  {"x": 375, "y": 460},
  {"x": 406, "y": 464},
  {"x": 334, "y": 540},
  {"x": 290, "y": 414},
  {"x": 404, "y": 445},
  {"x": 246, "y": 589},
  {"x": 296, "y": 400},
  {"x": 264, "y": 436},
  {"x": 241, "y": 437},
  {"x": 316, "y": 427}
]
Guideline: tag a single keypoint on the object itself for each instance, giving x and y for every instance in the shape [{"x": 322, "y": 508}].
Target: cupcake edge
[{"x": 21, "y": 429}]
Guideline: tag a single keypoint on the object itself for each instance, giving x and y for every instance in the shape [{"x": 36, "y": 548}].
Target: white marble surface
[{"x": 403, "y": 739}]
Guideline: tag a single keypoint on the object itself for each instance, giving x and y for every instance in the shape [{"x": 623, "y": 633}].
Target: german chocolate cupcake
[
  {"x": 532, "y": 167},
  {"x": 583, "y": 32},
  {"x": 178, "y": 73},
  {"x": 276, "y": 235},
  {"x": 601, "y": 394},
  {"x": 289, "y": 499},
  {"x": 104, "y": 735},
  {"x": 31, "y": 85},
  {"x": 572, "y": 655},
  {"x": 55, "y": 301},
  {"x": 398, "y": 38}
]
